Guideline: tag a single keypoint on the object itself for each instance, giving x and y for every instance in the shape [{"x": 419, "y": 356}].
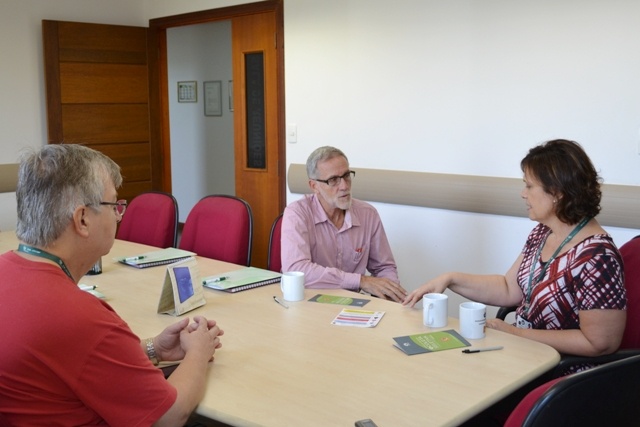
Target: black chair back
[{"x": 607, "y": 395}]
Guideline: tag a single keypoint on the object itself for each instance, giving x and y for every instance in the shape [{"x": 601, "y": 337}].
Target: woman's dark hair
[{"x": 566, "y": 172}]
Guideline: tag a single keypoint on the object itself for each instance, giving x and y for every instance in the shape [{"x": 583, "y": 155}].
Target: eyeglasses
[
  {"x": 335, "y": 180},
  {"x": 119, "y": 207}
]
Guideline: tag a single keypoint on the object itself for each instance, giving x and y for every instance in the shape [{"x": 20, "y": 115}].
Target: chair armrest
[
  {"x": 568, "y": 360},
  {"x": 504, "y": 311}
]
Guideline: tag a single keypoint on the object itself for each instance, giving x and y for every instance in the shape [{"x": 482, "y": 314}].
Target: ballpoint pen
[
  {"x": 478, "y": 350},
  {"x": 135, "y": 258},
  {"x": 87, "y": 287},
  {"x": 275, "y": 298},
  {"x": 215, "y": 280}
]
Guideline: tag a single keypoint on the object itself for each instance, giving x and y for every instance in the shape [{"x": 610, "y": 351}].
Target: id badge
[{"x": 523, "y": 323}]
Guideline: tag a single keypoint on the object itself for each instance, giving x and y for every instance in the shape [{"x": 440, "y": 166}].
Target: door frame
[{"x": 160, "y": 139}]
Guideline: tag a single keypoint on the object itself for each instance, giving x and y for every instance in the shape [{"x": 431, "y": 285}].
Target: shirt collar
[{"x": 319, "y": 215}]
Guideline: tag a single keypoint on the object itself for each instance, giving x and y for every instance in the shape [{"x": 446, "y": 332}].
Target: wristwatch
[{"x": 151, "y": 351}]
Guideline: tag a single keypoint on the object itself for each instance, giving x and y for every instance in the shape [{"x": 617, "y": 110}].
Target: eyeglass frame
[
  {"x": 348, "y": 176},
  {"x": 117, "y": 205}
]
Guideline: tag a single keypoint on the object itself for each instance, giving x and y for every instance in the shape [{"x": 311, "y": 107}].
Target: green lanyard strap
[
  {"x": 534, "y": 262},
  {"x": 43, "y": 254}
]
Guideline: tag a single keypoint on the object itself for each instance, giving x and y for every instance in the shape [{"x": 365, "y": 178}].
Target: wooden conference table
[{"x": 292, "y": 367}]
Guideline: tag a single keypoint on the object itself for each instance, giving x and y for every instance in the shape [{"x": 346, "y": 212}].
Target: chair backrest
[
  {"x": 604, "y": 395},
  {"x": 219, "y": 227},
  {"x": 274, "y": 260},
  {"x": 630, "y": 252},
  {"x": 152, "y": 219}
]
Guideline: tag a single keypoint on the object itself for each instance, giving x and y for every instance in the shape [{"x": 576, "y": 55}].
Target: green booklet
[
  {"x": 429, "y": 342},
  {"x": 240, "y": 280},
  {"x": 332, "y": 299},
  {"x": 154, "y": 258}
]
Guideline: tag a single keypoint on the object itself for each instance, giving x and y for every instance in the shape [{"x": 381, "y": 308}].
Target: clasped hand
[{"x": 176, "y": 340}]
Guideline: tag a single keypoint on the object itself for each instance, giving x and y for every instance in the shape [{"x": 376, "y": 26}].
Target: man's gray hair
[
  {"x": 52, "y": 182},
  {"x": 320, "y": 155}
]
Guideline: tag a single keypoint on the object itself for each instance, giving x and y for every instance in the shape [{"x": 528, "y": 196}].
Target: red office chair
[
  {"x": 152, "y": 219},
  {"x": 4, "y": 422},
  {"x": 630, "y": 345},
  {"x": 219, "y": 227},
  {"x": 630, "y": 252},
  {"x": 274, "y": 261},
  {"x": 606, "y": 395}
]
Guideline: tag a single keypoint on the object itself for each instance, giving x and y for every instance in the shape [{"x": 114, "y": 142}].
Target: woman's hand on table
[
  {"x": 500, "y": 325},
  {"x": 437, "y": 285}
]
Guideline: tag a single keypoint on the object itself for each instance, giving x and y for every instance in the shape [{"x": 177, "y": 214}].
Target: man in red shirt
[{"x": 67, "y": 358}]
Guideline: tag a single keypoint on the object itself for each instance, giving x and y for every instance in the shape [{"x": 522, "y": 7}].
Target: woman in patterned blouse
[{"x": 568, "y": 280}]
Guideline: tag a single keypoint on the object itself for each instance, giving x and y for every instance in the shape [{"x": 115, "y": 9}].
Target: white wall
[
  {"x": 162, "y": 8},
  {"x": 202, "y": 150},
  {"x": 463, "y": 87},
  {"x": 423, "y": 85}
]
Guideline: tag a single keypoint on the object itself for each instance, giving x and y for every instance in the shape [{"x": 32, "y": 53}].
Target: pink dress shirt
[{"x": 332, "y": 258}]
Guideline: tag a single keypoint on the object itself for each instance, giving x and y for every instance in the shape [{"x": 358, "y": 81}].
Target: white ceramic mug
[
  {"x": 292, "y": 286},
  {"x": 434, "y": 310},
  {"x": 473, "y": 319}
]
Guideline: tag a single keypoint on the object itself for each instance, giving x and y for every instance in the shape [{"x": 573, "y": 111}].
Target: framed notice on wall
[
  {"x": 213, "y": 98},
  {"x": 188, "y": 91}
]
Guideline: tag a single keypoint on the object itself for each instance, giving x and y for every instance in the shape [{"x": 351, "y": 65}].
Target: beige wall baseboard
[
  {"x": 8, "y": 177},
  {"x": 480, "y": 194}
]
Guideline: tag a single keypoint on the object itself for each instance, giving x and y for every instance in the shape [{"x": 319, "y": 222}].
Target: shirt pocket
[{"x": 358, "y": 253}]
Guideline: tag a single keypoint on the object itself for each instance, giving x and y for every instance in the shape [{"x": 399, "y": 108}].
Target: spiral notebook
[
  {"x": 155, "y": 258},
  {"x": 241, "y": 280}
]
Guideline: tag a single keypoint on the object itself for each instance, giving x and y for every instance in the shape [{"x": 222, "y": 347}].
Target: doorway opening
[{"x": 256, "y": 27}]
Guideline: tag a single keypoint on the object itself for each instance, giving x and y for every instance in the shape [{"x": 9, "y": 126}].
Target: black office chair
[{"x": 606, "y": 395}]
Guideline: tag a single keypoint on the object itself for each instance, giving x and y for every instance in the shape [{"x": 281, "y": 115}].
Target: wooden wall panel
[
  {"x": 105, "y": 122},
  {"x": 103, "y": 83},
  {"x": 98, "y": 94},
  {"x": 132, "y": 158},
  {"x": 83, "y": 42},
  {"x": 131, "y": 189}
]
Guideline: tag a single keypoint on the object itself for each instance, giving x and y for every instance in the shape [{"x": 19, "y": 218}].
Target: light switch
[{"x": 292, "y": 134}]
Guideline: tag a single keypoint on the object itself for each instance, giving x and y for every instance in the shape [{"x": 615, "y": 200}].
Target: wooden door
[
  {"x": 98, "y": 94},
  {"x": 107, "y": 88},
  {"x": 259, "y": 150}
]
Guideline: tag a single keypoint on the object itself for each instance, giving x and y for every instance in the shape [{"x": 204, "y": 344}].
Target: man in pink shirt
[{"x": 335, "y": 239}]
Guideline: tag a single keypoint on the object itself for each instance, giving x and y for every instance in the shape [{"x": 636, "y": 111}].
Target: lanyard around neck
[
  {"x": 534, "y": 262},
  {"x": 43, "y": 254}
]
